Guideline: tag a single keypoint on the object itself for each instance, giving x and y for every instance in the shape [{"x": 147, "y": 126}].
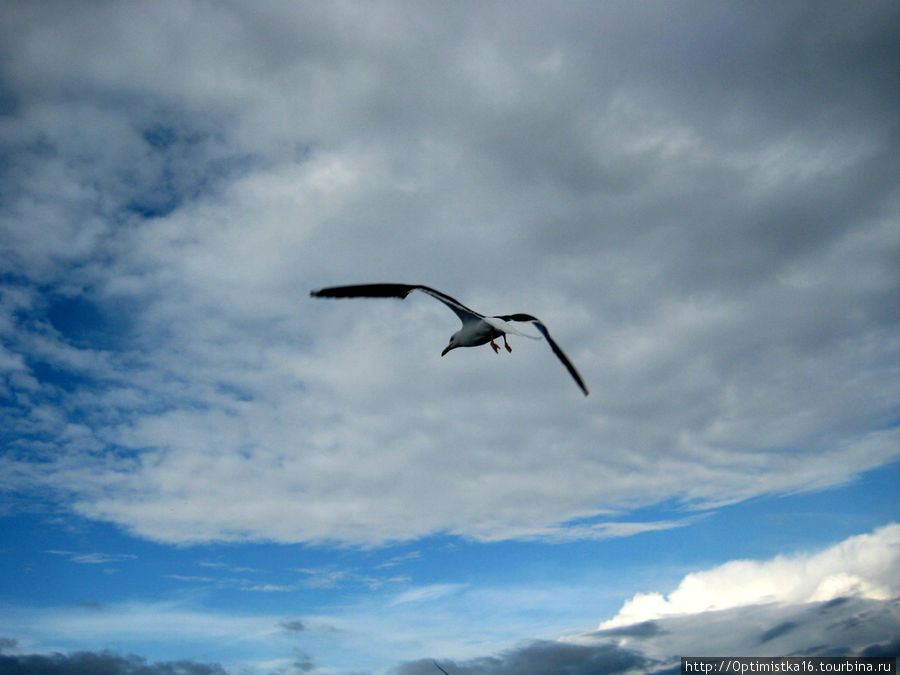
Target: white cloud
[
  {"x": 640, "y": 220},
  {"x": 863, "y": 566}
]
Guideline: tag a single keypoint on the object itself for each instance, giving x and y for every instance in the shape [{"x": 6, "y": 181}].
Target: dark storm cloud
[
  {"x": 890, "y": 648},
  {"x": 103, "y": 663},
  {"x": 539, "y": 658}
]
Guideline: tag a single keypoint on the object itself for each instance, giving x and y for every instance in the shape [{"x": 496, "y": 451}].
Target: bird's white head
[{"x": 453, "y": 344}]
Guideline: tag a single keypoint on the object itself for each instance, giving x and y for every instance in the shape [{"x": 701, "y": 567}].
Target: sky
[{"x": 204, "y": 470}]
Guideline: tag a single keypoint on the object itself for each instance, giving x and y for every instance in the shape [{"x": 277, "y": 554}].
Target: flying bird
[{"x": 476, "y": 330}]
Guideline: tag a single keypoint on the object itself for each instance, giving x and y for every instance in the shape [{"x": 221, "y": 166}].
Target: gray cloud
[
  {"x": 293, "y": 626},
  {"x": 639, "y": 630},
  {"x": 777, "y": 631},
  {"x": 699, "y": 202}
]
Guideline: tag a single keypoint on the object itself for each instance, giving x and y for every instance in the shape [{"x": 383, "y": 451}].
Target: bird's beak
[{"x": 446, "y": 349}]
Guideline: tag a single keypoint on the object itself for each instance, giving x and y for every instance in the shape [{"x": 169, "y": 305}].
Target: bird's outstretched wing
[
  {"x": 464, "y": 313},
  {"x": 555, "y": 347},
  {"x": 397, "y": 291}
]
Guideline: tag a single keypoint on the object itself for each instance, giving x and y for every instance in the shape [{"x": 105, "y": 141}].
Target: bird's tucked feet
[
  {"x": 506, "y": 344},
  {"x": 494, "y": 344}
]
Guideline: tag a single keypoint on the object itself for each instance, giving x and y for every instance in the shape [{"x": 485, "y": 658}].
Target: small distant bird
[{"x": 476, "y": 330}]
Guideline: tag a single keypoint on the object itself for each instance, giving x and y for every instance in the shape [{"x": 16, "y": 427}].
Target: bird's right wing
[
  {"x": 555, "y": 347},
  {"x": 503, "y": 326}
]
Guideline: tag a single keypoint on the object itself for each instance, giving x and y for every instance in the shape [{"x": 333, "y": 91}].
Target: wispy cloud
[
  {"x": 602, "y": 530},
  {"x": 273, "y": 588},
  {"x": 428, "y": 593},
  {"x": 400, "y": 559},
  {"x": 94, "y": 558},
  {"x": 225, "y": 566},
  {"x": 189, "y": 578},
  {"x": 334, "y": 578}
]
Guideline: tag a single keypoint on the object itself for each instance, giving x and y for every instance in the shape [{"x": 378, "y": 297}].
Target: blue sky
[{"x": 205, "y": 470}]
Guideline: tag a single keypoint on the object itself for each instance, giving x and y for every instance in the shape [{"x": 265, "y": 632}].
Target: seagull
[{"x": 476, "y": 330}]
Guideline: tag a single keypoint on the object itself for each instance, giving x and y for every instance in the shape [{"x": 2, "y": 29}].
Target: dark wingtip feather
[
  {"x": 562, "y": 357},
  {"x": 364, "y": 291}
]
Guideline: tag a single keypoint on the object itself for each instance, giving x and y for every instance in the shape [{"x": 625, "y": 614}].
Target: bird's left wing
[
  {"x": 555, "y": 347},
  {"x": 396, "y": 291}
]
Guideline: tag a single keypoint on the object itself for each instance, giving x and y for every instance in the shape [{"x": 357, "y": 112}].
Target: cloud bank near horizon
[
  {"x": 747, "y": 607},
  {"x": 841, "y": 601}
]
